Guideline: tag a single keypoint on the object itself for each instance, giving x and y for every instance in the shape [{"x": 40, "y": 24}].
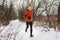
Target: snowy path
[{"x": 16, "y": 31}]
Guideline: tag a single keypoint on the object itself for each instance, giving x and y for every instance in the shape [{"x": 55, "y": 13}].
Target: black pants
[{"x": 27, "y": 24}]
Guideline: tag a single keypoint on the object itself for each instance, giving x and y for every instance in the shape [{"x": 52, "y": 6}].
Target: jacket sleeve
[{"x": 25, "y": 14}]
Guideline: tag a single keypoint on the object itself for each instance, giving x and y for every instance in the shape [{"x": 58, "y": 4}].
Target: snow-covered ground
[{"x": 16, "y": 31}]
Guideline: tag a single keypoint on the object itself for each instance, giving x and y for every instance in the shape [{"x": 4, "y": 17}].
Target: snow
[{"x": 16, "y": 31}]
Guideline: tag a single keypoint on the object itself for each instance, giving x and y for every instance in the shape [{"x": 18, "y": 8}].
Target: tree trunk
[{"x": 59, "y": 17}]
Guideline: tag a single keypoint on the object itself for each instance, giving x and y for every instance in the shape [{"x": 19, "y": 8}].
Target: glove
[{"x": 29, "y": 17}]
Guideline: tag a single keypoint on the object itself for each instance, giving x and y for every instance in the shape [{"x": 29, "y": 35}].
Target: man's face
[{"x": 29, "y": 8}]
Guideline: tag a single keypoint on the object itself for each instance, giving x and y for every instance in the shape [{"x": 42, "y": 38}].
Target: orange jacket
[{"x": 28, "y": 16}]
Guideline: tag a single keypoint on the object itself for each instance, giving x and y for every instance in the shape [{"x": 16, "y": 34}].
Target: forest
[
  {"x": 46, "y": 12},
  {"x": 44, "y": 23}
]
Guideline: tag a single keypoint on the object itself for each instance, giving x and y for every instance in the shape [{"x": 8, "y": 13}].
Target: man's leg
[
  {"x": 27, "y": 24},
  {"x": 31, "y": 29}
]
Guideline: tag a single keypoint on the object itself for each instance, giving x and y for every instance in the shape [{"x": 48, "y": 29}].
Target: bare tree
[
  {"x": 12, "y": 13},
  {"x": 59, "y": 17}
]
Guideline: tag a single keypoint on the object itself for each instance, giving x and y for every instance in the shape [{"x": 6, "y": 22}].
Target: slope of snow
[{"x": 16, "y": 31}]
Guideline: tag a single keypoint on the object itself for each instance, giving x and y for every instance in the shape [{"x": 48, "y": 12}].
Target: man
[{"x": 28, "y": 15}]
